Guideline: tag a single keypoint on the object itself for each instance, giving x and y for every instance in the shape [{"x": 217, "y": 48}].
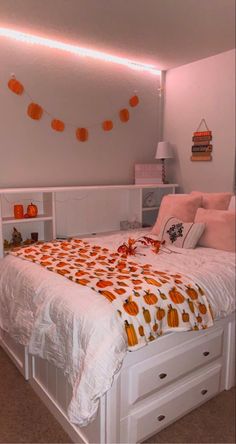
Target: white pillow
[
  {"x": 232, "y": 204},
  {"x": 181, "y": 234}
]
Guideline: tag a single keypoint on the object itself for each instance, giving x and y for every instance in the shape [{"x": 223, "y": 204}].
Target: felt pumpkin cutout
[
  {"x": 32, "y": 210},
  {"x": 131, "y": 307},
  {"x": 107, "y": 125},
  {"x": 176, "y": 296},
  {"x": 172, "y": 317},
  {"x": 82, "y": 134},
  {"x": 150, "y": 298},
  {"x": 134, "y": 101},
  {"x": 191, "y": 293},
  {"x": 124, "y": 115},
  {"x": 57, "y": 125},
  {"x": 131, "y": 334},
  {"x": 185, "y": 316},
  {"x": 35, "y": 111},
  {"x": 15, "y": 86},
  {"x": 160, "y": 314}
]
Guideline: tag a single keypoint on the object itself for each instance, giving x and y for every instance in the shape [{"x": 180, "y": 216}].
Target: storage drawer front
[
  {"x": 160, "y": 370},
  {"x": 161, "y": 412}
]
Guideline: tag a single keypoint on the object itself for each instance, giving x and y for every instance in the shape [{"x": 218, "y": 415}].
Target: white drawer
[
  {"x": 154, "y": 373},
  {"x": 156, "y": 415}
]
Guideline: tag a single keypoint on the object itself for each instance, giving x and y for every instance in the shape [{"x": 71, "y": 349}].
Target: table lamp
[{"x": 163, "y": 152}]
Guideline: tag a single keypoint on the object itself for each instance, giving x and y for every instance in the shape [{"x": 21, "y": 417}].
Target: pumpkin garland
[{"x": 36, "y": 111}]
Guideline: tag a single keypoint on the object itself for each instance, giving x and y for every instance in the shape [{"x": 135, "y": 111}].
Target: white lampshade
[{"x": 163, "y": 151}]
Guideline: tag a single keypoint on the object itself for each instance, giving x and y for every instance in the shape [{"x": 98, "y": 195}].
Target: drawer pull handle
[
  {"x": 161, "y": 417},
  {"x": 162, "y": 375},
  {"x": 204, "y": 391},
  {"x": 206, "y": 353}
]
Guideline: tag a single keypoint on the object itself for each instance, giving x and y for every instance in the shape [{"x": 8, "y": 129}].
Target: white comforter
[{"x": 78, "y": 330}]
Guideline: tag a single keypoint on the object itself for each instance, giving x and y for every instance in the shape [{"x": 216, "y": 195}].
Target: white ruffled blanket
[{"x": 78, "y": 330}]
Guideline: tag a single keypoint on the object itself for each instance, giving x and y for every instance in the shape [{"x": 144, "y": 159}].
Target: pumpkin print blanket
[{"x": 148, "y": 301}]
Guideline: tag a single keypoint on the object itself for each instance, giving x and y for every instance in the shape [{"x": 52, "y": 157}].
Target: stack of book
[
  {"x": 201, "y": 148},
  {"x": 147, "y": 173}
]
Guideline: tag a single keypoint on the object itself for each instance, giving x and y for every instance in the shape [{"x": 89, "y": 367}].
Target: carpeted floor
[{"x": 24, "y": 418}]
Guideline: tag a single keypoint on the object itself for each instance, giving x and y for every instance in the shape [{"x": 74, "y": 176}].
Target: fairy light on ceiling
[{"x": 78, "y": 50}]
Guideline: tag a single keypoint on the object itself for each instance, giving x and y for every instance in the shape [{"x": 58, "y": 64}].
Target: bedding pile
[{"x": 79, "y": 330}]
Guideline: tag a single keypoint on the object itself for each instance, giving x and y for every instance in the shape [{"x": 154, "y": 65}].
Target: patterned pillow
[{"x": 181, "y": 234}]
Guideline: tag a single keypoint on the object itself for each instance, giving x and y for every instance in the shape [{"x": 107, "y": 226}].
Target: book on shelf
[{"x": 201, "y": 148}]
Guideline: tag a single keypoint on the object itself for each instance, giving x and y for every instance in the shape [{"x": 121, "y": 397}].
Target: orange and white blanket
[
  {"x": 148, "y": 301},
  {"x": 78, "y": 329}
]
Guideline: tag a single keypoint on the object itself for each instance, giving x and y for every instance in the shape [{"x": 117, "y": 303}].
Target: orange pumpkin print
[
  {"x": 160, "y": 314},
  {"x": 141, "y": 330},
  {"x": 163, "y": 296},
  {"x": 152, "y": 281},
  {"x": 191, "y": 293},
  {"x": 202, "y": 308},
  {"x": 176, "y": 296},
  {"x": 191, "y": 305},
  {"x": 185, "y": 316},
  {"x": 131, "y": 334},
  {"x": 150, "y": 298},
  {"x": 82, "y": 281},
  {"x": 155, "y": 327},
  {"x": 108, "y": 294},
  {"x": 172, "y": 317},
  {"x": 146, "y": 315},
  {"x": 103, "y": 284},
  {"x": 119, "y": 291},
  {"x": 131, "y": 307}
]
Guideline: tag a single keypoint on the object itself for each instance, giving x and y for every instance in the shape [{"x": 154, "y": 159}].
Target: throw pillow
[
  {"x": 181, "y": 234},
  {"x": 220, "y": 229},
  {"x": 214, "y": 201}
]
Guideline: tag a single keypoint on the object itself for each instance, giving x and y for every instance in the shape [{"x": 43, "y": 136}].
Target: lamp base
[{"x": 163, "y": 172}]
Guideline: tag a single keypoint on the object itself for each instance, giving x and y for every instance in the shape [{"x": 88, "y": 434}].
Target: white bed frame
[{"x": 157, "y": 385}]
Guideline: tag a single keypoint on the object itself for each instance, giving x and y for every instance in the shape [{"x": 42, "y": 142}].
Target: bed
[{"x": 69, "y": 343}]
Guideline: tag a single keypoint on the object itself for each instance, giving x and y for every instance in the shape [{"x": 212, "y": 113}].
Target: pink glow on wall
[{"x": 81, "y": 51}]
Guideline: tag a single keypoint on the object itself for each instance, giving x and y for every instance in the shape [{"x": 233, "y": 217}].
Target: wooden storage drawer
[
  {"x": 185, "y": 396},
  {"x": 154, "y": 373}
]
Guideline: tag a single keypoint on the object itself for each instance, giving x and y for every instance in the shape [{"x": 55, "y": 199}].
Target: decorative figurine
[{"x": 16, "y": 237}]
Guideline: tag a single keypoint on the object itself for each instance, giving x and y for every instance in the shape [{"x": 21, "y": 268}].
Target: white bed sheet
[{"x": 78, "y": 330}]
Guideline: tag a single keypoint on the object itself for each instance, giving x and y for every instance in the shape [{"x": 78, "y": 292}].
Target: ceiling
[{"x": 167, "y": 33}]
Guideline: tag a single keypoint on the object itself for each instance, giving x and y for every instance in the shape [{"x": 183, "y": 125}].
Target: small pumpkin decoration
[
  {"x": 35, "y": 111},
  {"x": 82, "y": 134},
  {"x": 57, "y": 125},
  {"x": 146, "y": 315},
  {"x": 134, "y": 101},
  {"x": 202, "y": 308},
  {"x": 108, "y": 294},
  {"x": 107, "y": 125},
  {"x": 176, "y": 296},
  {"x": 185, "y": 316},
  {"x": 32, "y": 210},
  {"x": 131, "y": 334},
  {"x": 172, "y": 317},
  {"x": 160, "y": 314},
  {"x": 131, "y": 307},
  {"x": 150, "y": 298},
  {"x": 124, "y": 115},
  {"x": 15, "y": 86},
  {"x": 191, "y": 293}
]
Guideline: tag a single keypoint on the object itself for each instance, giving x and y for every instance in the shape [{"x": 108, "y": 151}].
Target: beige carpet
[{"x": 23, "y": 417}]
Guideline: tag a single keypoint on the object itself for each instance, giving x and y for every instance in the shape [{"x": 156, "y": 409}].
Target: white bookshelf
[{"x": 74, "y": 211}]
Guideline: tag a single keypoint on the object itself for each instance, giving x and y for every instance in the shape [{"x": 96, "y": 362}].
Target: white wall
[
  {"x": 82, "y": 92},
  {"x": 203, "y": 89}
]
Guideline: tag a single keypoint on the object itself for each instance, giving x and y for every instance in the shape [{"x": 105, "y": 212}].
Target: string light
[{"x": 78, "y": 50}]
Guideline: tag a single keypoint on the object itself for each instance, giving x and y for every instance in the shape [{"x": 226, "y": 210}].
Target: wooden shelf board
[{"x": 12, "y": 220}]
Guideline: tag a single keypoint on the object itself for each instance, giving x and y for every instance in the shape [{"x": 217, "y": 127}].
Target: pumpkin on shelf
[{"x": 32, "y": 210}]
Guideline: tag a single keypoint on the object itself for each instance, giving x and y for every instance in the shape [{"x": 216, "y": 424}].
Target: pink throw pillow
[
  {"x": 219, "y": 230},
  {"x": 214, "y": 201},
  {"x": 182, "y": 207}
]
